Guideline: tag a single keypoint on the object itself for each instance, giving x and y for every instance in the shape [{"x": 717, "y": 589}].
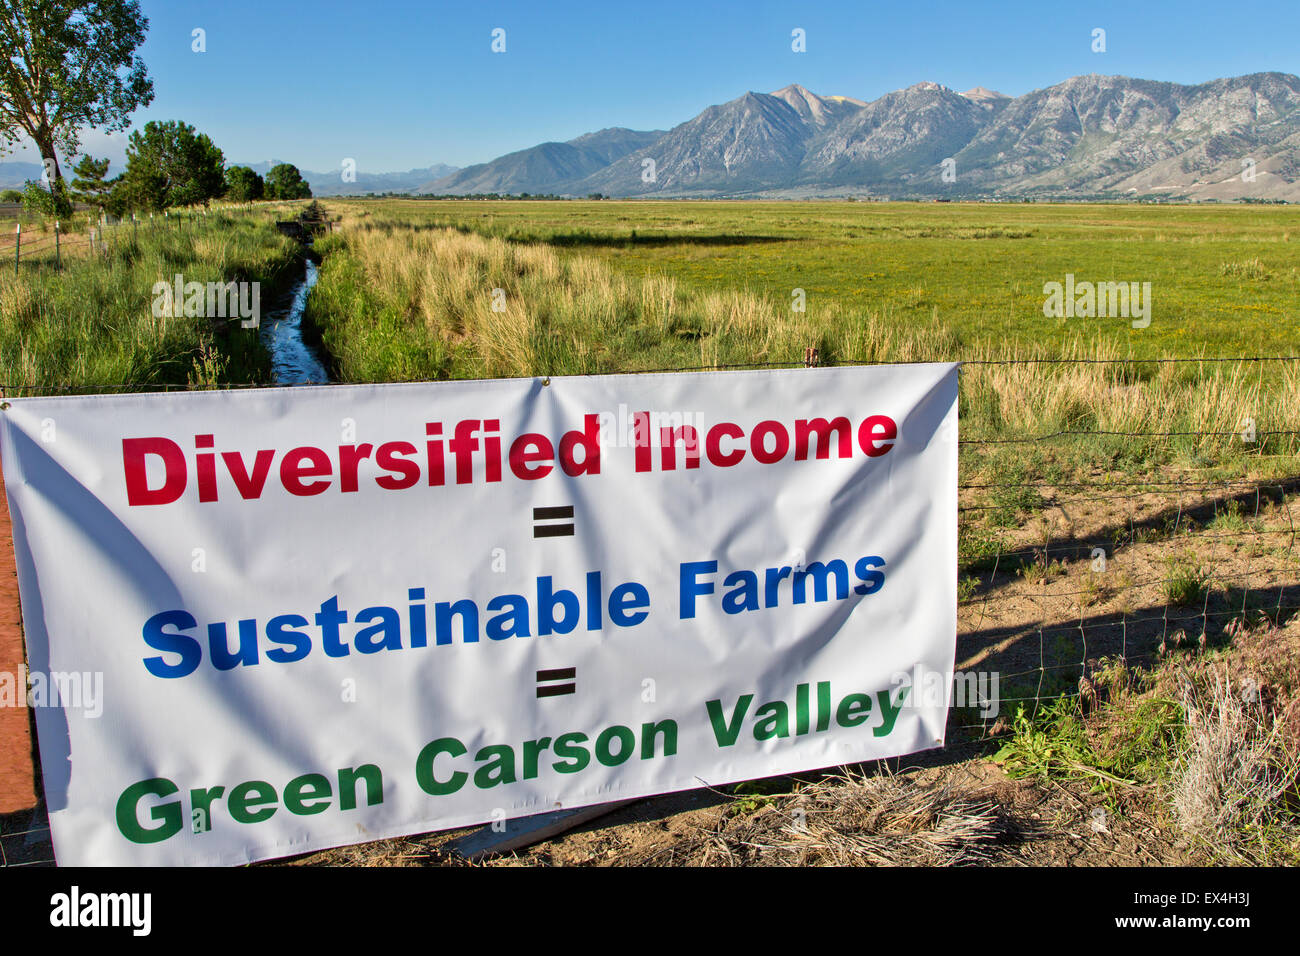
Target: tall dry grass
[{"x": 1234, "y": 787}]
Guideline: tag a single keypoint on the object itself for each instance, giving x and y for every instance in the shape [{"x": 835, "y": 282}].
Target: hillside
[{"x": 1089, "y": 136}]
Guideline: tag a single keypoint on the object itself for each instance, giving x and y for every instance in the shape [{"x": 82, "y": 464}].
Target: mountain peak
[
  {"x": 804, "y": 101},
  {"x": 980, "y": 94},
  {"x": 810, "y": 106}
]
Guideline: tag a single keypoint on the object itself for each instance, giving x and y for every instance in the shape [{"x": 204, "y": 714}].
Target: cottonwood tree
[
  {"x": 169, "y": 164},
  {"x": 66, "y": 65},
  {"x": 285, "y": 182},
  {"x": 243, "y": 184}
]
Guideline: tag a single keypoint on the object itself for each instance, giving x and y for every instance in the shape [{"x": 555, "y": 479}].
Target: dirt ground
[{"x": 1043, "y": 617}]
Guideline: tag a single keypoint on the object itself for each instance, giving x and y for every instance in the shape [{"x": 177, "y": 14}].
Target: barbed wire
[
  {"x": 1172, "y": 625},
  {"x": 1166, "y": 360},
  {"x": 845, "y": 363},
  {"x": 1062, "y": 483},
  {"x": 1077, "y": 433}
]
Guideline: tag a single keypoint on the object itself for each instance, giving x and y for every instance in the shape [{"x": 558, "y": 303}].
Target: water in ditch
[{"x": 293, "y": 361}]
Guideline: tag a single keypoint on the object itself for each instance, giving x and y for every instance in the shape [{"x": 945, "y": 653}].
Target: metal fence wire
[
  {"x": 25, "y": 839},
  {"x": 52, "y": 243}
]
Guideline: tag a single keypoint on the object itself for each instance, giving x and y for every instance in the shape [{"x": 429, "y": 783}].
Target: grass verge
[{"x": 88, "y": 324}]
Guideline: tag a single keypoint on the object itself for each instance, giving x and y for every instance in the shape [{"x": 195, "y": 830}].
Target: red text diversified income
[{"x": 159, "y": 470}]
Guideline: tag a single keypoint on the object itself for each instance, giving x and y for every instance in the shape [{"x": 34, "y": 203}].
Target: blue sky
[{"x": 397, "y": 84}]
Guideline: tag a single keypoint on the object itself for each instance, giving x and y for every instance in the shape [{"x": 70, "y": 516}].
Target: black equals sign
[
  {"x": 551, "y": 514},
  {"x": 550, "y": 677}
]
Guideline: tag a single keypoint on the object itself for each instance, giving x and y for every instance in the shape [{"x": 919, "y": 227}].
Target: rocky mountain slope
[{"x": 1088, "y": 136}]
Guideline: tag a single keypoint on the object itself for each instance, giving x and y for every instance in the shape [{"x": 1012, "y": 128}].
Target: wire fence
[
  {"x": 88, "y": 387},
  {"x": 1059, "y": 579},
  {"x": 25, "y": 839},
  {"x": 42, "y": 241},
  {"x": 1083, "y": 581}
]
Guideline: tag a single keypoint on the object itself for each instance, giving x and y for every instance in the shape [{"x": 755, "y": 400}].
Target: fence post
[
  {"x": 135, "y": 228},
  {"x": 18, "y": 245},
  {"x": 57, "y": 261}
]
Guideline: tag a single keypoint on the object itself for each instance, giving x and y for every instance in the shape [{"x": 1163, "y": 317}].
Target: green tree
[
  {"x": 11, "y": 195},
  {"x": 169, "y": 164},
  {"x": 243, "y": 184},
  {"x": 66, "y": 65},
  {"x": 91, "y": 185},
  {"x": 285, "y": 182},
  {"x": 117, "y": 201}
]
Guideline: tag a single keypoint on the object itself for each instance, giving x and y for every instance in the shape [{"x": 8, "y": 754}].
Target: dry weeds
[
  {"x": 1234, "y": 787},
  {"x": 852, "y": 820}
]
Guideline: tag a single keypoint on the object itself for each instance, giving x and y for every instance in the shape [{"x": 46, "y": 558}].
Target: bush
[
  {"x": 36, "y": 198},
  {"x": 1187, "y": 580}
]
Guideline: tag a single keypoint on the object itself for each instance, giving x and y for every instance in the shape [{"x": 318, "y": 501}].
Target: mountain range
[
  {"x": 537, "y": 169},
  {"x": 1090, "y": 136},
  {"x": 332, "y": 183}
]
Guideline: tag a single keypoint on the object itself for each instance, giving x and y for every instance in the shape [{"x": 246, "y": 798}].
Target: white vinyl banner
[{"x": 279, "y": 620}]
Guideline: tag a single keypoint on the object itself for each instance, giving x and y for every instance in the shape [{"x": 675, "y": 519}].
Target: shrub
[
  {"x": 1186, "y": 580},
  {"x": 55, "y": 202}
]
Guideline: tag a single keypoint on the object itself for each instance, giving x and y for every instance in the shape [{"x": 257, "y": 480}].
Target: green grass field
[
  {"x": 1224, "y": 279},
  {"x": 407, "y": 292}
]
